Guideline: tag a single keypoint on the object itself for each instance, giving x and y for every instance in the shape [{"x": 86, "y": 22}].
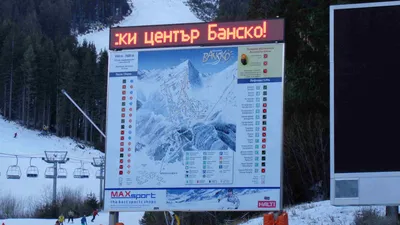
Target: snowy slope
[
  {"x": 320, "y": 213},
  {"x": 101, "y": 219},
  {"x": 146, "y": 12},
  {"x": 29, "y": 144}
]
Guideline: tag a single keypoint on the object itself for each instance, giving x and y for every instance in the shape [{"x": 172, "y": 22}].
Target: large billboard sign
[
  {"x": 195, "y": 128},
  {"x": 197, "y": 34},
  {"x": 364, "y": 45}
]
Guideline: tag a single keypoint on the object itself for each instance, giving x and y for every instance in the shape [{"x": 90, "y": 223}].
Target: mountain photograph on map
[
  {"x": 186, "y": 101},
  {"x": 221, "y": 199}
]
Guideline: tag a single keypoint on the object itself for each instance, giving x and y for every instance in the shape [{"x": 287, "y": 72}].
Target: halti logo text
[
  {"x": 128, "y": 194},
  {"x": 266, "y": 204}
]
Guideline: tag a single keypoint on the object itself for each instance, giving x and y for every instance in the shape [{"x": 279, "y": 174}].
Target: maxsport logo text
[{"x": 128, "y": 194}]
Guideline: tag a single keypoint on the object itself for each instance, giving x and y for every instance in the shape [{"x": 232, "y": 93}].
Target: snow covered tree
[{"x": 205, "y": 10}]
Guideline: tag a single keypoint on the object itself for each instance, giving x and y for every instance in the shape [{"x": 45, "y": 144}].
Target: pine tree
[
  {"x": 101, "y": 94},
  {"x": 91, "y": 203},
  {"x": 46, "y": 81},
  {"x": 232, "y": 10},
  {"x": 205, "y": 10},
  {"x": 256, "y": 10},
  {"x": 28, "y": 68},
  {"x": 67, "y": 66},
  {"x": 7, "y": 72},
  {"x": 85, "y": 81}
]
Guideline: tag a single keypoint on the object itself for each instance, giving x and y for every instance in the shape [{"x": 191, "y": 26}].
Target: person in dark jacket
[
  {"x": 95, "y": 213},
  {"x": 71, "y": 215},
  {"x": 83, "y": 220}
]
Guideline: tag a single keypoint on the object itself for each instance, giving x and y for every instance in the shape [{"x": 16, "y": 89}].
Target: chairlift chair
[
  {"x": 32, "y": 171},
  {"x": 49, "y": 172},
  {"x": 99, "y": 174},
  {"x": 81, "y": 173},
  {"x": 14, "y": 171},
  {"x": 62, "y": 173}
]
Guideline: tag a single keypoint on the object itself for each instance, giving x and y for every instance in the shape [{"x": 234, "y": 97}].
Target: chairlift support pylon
[
  {"x": 81, "y": 173},
  {"x": 55, "y": 158},
  {"x": 32, "y": 171},
  {"x": 14, "y": 171}
]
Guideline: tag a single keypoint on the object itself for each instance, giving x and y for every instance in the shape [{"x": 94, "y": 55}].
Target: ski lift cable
[
  {"x": 26, "y": 157},
  {"x": 13, "y": 156},
  {"x": 3, "y": 153},
  {"x": 72, "y": 160},
  {"x": 36, "y": 157},
  {"x": 19, "y": 155},
  {"x": 7, "y": 157}
]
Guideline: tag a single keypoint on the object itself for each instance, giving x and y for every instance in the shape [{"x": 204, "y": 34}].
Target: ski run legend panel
[{"x": 195, "y": 129}]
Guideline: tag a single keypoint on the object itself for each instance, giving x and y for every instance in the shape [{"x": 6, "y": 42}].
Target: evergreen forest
[{"x": 40, "y": 56}]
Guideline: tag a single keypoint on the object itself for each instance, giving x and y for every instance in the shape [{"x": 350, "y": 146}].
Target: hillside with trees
[{"x": 40, "y": 56}]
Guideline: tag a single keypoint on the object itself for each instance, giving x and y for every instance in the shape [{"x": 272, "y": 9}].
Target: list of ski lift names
[
  {"x": 208, "y": 167},
  {"x": 252, "y": 147}
]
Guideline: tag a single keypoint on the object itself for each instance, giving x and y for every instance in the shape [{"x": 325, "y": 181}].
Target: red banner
[{"x": 197, "y": 34}]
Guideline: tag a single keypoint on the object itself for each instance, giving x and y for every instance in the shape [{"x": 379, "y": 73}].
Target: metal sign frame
[
  {"x": 357, "y": 189},
  {"x": 244, "y": 43}
]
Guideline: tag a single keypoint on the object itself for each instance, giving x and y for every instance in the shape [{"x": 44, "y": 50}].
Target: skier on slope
[
  {"x": 61, "y": 219},
  {"x": 95, "y": 213},
  {"x": 231, "y": 202},
  {"x": 83, "y": 220},
  {"x": 71, "y": 216}
]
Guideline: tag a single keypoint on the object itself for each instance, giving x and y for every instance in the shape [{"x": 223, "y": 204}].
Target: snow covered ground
[
  {"x": 101, "y": 219},
  {"x": 28, "y": 144},
  {"x": 320, "y": 213},
  {"x": 146, "y": 12}
]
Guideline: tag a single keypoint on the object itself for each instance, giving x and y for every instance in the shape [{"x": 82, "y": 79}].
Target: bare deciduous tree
[{"x": 307, "y": 153}]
